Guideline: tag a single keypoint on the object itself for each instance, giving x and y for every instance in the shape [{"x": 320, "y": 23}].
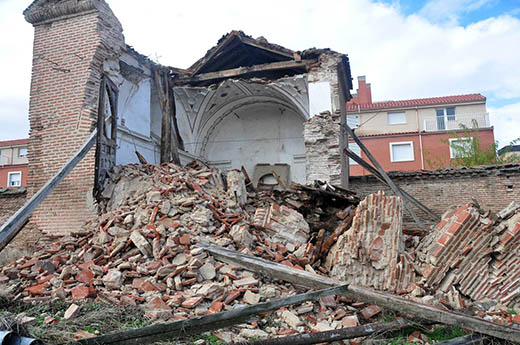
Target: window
[
  {"x": 356, "y": 149},
  {"x": 22, "y": 152},
  {"x": 14, "y": 179},
  {"x": 463, "y": 143},
  {"x": 443, "y": 116},
  {"x": 396, "y": 118},
  {"x": 402, "y": 152},
  {"x": 353, "y": 120}
]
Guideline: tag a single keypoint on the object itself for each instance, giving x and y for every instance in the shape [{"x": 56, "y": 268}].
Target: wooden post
[
  {"x": 343, "y": 135},
  {"x": 162, "y": 84},
  {"x": 388, "y": 180}
]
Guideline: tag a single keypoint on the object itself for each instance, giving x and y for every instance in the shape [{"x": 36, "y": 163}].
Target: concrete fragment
[
  {"x": 291, "y": 319},
  {"x": 288, "y": 225},
  {"x": 113, "y": 279},
  {"x": 251, "y": 297},
  {"x": 207, "y": 271},
  {"x": 237, "y": 187},
  {"x": 253, "y": 333},
  {"x": 240, "y": 234},
  {"x": 141, "y": 243},
  {"x": 72, "y": 312}
]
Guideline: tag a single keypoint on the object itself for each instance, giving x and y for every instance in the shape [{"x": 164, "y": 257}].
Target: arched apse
[
  {"x": 256, "y": 132},
  {"x": 244, "y": 123}
]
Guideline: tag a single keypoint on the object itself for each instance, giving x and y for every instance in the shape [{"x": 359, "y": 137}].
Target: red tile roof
[
  {"x": 474, "y": 97},
  {"x": 14, "y": 142}
]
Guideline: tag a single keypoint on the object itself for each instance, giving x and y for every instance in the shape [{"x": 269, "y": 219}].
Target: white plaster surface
[
  {"x": 258, "y": 133},
  {"x": 134, "y": 106},
  {"x": 320, "y": 99},
  {"x": 127, "y": 145}
]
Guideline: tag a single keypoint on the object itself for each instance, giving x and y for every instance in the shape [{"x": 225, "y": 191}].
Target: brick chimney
[{"x": 364, "y": 92}]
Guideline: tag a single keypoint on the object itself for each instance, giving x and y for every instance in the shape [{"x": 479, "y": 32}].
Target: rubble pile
[
  {"x": 475, "y": 254},
  {"x": 142, "y": 250}
]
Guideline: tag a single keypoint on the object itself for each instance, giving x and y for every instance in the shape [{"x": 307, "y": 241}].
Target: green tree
[{"x": 468, "y": 150}]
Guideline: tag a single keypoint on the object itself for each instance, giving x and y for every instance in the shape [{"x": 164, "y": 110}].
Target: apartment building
[
  {"x": 13, "y": 163},
  {"x": 415, "y": 134}
]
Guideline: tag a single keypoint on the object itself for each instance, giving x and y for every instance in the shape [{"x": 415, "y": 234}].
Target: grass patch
[
  {"x": 445, "y": 333},
  {"x": 209, "y": 339}
]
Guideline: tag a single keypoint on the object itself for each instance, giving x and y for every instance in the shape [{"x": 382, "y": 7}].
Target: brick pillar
[{"x": 73, "y": 40}]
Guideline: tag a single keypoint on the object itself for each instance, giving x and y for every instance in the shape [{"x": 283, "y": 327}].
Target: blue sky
[
  {"x": 465, "y": 11},
  {"x": 406, "y": 49}
]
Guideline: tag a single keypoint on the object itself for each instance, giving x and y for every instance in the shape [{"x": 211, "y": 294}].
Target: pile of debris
[{"x": 142, "y": 250}]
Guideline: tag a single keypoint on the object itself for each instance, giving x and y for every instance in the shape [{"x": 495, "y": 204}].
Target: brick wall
[
  {"x": 322, "y": 148},
  {"x": 71, "y": 46},
  {"x": 493, "y": 187}
]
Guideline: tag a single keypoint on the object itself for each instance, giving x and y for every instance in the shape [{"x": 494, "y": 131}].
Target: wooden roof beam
[{"x": 235, "y": 72}]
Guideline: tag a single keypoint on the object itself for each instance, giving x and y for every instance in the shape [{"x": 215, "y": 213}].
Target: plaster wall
[
  {"x": 319, "y": 97},
  {"x": 139, "y": 114},
  {"x": 259, "y": 133}
]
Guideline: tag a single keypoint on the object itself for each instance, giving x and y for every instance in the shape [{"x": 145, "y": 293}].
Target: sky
[{"x": 405, "y": 48}]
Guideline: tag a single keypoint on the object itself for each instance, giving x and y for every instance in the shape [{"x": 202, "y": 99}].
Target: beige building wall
[
  {"x": 376, "y": 122},
  {"x": 11, "y": 155},
  {"x": 463, "y": 114}
]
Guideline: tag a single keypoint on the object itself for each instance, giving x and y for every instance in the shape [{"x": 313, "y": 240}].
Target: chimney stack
[{"x": 364, "y": 92}]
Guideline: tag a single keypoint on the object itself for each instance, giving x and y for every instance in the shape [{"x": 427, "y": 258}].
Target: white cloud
[
  {"x": 402, "y": 56},
  {"x": 506, "y": 121},
  {"x": 448, "y": 11}
]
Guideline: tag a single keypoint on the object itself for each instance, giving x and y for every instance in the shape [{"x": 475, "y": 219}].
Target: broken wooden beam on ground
[
  {"x": 14, "y": 224},
  {"x": 472, "y": 339},
  {"x": 205, "y": 323},
  {"x": 401, "y": 305},
  {"x": 335, "y": 335}
]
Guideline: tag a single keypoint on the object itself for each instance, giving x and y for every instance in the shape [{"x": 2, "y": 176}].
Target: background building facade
[
  {"x": 416, "y": 134},
  {"x": 13, "y": 163}
]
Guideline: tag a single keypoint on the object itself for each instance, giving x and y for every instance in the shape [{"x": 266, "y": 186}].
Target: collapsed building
[
  {"x": 269, "y": 117},
  {"x": 244, "y": 104}
]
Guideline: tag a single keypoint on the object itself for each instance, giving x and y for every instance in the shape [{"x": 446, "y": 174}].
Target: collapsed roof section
[{"x": 238, "y": 55}]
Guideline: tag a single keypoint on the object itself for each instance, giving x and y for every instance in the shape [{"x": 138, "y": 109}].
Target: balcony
[{"x": 453, "y": 122}]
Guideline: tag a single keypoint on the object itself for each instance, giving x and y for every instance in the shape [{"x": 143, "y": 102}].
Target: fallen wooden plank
[
  {"x": 235, "y": 72},
  {"x": 473, "y": 339},
  {"x": 13, "y": 225},
  {"x": 269, "y": 268},
  {"x": 334, "y": 335},
  {"x": 204, "y": 323},
  {"x": 363, "y": 294}
]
